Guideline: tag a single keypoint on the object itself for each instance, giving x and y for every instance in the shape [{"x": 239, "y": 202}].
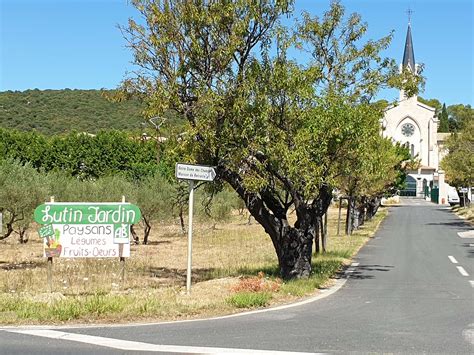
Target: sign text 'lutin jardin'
[{"x": 81, "y": 229}]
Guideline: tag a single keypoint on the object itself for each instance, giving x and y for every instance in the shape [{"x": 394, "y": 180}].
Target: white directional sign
[
  {"x": 192, "y": 172},
  {"x": 195, "y": 172}
]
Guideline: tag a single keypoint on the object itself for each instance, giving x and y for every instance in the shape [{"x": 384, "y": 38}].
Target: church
[{"x": 415, "y": 125}]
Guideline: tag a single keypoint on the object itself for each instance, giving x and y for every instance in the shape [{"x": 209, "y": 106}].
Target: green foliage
[
  {"x": 249, "y": 299},
  {"x": 431, "y": 102},
  {"x": 459, "y": 116},
  {"x": 82, "y": 155},
  {"x": 59, "y": 111},
  {"x": 216, "y": 206},
  {"x": 22, "y": 189},
  {"x": 459, "y": 162},
  {"x": 456, "y": 115},
  {"x": 443, "y": 120},
  {"x": 279, "y": 132}
]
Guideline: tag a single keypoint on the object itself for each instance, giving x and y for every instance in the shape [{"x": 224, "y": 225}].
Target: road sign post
[
  {"x": 192, "y": 173},
  {"x": 190, "y": 235}
]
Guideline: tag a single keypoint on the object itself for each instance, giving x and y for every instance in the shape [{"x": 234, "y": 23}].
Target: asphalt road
[{"x": 411, "y": 290}]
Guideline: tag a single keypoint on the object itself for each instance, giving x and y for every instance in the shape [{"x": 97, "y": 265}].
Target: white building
[{"x": 413, "y": 123}]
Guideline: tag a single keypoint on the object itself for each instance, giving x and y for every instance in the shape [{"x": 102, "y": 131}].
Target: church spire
[{"x": 408, "y": 54}]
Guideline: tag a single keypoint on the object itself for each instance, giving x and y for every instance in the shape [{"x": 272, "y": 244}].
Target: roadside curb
[{"x": 322, "y": 294}]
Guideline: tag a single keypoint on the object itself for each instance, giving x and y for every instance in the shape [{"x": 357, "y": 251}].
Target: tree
[
  {"x": 459, "y": 162},
  {"x": 431, "y": 102},
  {"x": 277, "y": 131},
  {"x": 152, "y": 194},
  {"x": 23, "y": 189},
  {"x": 459, "y": 115},
  {"x": 443, "y": 120},
  {"x": 378, "y": 170}
]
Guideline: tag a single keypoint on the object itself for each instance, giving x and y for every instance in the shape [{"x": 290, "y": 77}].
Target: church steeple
[
  {"x": 408, "y": 61},
  {"x": 408, "y": 54}
]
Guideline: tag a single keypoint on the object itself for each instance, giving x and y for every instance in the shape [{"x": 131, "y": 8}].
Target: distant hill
[{"x": 59, "y": 111}]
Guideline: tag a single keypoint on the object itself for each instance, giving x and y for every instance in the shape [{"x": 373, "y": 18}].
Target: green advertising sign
[
  {"x": 87, "y": 213},
  {"x": 81, "y": 229}
]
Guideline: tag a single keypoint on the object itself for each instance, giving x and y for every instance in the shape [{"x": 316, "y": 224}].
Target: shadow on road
[
  {"x": 470, "y": 251},
  {"x": 459, "y": 225},
  {"x": 364, "y": 272}
]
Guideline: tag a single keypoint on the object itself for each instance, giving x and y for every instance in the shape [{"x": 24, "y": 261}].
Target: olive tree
[
  {"x": 276, "y": 130},
  {"x": 22, "y": 189}
]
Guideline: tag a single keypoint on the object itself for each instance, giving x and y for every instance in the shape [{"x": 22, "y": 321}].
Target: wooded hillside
[{"x": 59, "y": 111}]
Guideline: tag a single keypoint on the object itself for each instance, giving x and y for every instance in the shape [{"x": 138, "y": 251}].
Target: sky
[{"x": 76, "y": 44}]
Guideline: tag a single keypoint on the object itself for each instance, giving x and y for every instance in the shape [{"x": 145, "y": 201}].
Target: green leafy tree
[
  {"x": 153, "y": 195},
  {"x": 459, "y": 115},
  {"x": 435, "y": 103},
  {"x": 276, "y": 131},
  {"x": 22, "y": 190},
  {"x": 443, "y": 120},
  {"x": 459, "y": 162}
]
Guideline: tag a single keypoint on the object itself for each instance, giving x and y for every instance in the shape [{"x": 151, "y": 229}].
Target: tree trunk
[
  {"x": 9, "y": 225},
  {"x": 373, "y": 205},
  {"x": 354, "y": 218},
  {"x": 23, "y": 237},
  {"x": 361, "y": 212},
  {"x": 146, "y": 231},
  {"x": 349, "y": 215},
  {"x": 324, "y": 231},
  {"x": 293, "y": 245},
  {"x": 181, "y": 220},
  {"x": 295, "y": 255},
  {"x": 339, "y": 216},
  {"x": 316, "y": 237},
  {"x": 135, "y": 237}
]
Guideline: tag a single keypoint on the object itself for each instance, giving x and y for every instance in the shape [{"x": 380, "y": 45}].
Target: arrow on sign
[{"x": 195, "y": 172}]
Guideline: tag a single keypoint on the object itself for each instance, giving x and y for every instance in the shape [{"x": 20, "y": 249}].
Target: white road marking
[
  {"x": 462, "y": 271},
  {"x": 453, "y": 260},
  {"x": 472, "y": 283},
  {"x": 139, "y": 346},
  {"x": 466, "y": 234},
  {"x": 355, "y": 264}
]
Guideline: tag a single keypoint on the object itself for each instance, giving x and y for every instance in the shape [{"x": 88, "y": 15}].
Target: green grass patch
[{"x": 249, "y": 299}]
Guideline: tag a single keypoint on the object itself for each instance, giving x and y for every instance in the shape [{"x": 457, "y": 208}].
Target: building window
[{"x": 408, "y": 129}]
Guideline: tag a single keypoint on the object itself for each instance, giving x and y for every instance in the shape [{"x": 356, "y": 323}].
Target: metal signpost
[{"x": 192, "y": 173}]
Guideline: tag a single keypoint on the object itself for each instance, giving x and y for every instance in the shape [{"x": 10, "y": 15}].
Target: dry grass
[
  {"x": 90, "y": 290},
  {"x": 466, "y": 213}
]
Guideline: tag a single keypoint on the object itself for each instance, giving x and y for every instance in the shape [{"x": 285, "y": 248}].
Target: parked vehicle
[{"x": 453, "y": 197}]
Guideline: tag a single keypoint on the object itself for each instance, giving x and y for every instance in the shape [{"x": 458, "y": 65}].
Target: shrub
[{"x": 257, "y": 284}]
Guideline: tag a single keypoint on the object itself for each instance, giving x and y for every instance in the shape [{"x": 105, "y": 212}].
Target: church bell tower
[{"x": 408, "y": 61}]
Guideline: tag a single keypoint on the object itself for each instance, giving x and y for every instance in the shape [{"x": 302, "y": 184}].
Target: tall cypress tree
[{"x": 443, "y": 120}]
